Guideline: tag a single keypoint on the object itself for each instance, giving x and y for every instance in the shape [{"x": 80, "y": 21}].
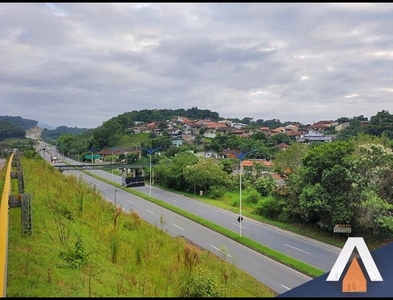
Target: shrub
[
  {"x": 76, "y": 257},
  {"x": 199, "y": 286},
  {"x": 269, "y": 207},
  {"x": 217, "y": 191},
  {"x": 264, "y": 185},
  {"x": 252, "y": 196}
]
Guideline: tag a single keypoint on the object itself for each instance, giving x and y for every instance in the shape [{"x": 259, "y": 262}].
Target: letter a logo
[{"x": 354, "y": 280}]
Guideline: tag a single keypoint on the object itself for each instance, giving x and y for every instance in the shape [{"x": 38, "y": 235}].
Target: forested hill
[
  {"x": 25, "y": 124},
  {"x": 10, "y": 130},
  {"x": 52, "y": 135},
  {"x": 150, "y": 115}
]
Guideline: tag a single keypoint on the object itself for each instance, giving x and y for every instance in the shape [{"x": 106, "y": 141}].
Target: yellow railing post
[{"x": 4, "y": 228}]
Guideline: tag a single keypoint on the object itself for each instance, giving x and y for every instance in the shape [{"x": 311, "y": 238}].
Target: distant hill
[
  {"x": 43, "y": 126},
  {"x": 25, "y": 124},
  {"x": 52, "y": 135}
]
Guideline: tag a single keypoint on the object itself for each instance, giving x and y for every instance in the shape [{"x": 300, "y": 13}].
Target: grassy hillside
[
  {"x": 133, "y": 140},
  {"x": 81, "y": 247}
]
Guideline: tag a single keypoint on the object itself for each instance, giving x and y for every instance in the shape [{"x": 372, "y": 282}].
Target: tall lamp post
[
  {"x": 241, "y": 156},
  {"x": 92, "y": 156},
  {"x": 124, "y": 186},
  {"x": 112, "y": 160},
  {"x": 151, "y": 151}
]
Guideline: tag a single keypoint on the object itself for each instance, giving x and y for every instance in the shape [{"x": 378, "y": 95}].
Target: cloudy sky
[{"x": 79, "y": 65}]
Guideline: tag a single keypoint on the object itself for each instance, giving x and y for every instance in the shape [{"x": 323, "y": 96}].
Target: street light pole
[
  {"x": 124, "y": 186},
  {"x": 112, "y": 161},
  {"x": 92, "y": 156},
  {"x": 151, "y": 151},
  {"x": 241, "y": 156}
]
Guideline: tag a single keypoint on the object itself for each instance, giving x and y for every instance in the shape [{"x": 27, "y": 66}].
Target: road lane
[
  {"x": 310, "y": 251},
  {"x": 275, "y": 275}
]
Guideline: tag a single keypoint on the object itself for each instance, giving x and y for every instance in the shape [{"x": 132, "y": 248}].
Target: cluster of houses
[{"x": 183, "y": 130}]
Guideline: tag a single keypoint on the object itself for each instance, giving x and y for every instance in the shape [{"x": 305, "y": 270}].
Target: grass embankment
[
  {"x": 135, "y": 140},
  {"x": 81, "y": 247}
]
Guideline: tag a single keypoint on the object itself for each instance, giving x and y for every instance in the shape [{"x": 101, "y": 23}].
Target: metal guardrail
[{"x": 4, "y": 228}]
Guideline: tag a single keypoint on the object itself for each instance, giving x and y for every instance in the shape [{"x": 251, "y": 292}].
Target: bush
[
  {"x": 76, "y": 257},
  {"x": 200, "y": 286},
  {"x": 269, "y": 207},
  {"x": 264, "y": 185},
  {"x": 235, "y": 203},
  {"x": 217, "y": 191},
  {"x": 252, "y": 196}
]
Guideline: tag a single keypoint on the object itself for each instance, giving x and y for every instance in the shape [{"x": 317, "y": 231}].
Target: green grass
[
  {"x": 81, "y": 247},
  {"x": 133, "y": 140}
]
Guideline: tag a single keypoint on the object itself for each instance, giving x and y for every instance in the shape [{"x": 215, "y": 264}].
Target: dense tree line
[
  {"x": 25, "y": 124},
  {"x": 10, "y": 130},
  {"x": 343, "y": 182},
  {"x": 51, "y": 136}
]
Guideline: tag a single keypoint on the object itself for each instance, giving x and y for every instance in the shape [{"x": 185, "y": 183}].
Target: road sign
[
  {"x": 342, "y": 228},
  {"x": 240, "y": 219}
]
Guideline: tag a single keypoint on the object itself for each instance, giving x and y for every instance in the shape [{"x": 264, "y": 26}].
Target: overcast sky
[{"x": 79, "y": 65}]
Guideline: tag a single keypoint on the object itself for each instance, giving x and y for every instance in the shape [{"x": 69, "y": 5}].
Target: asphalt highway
[{"x": 275, "y": 275}]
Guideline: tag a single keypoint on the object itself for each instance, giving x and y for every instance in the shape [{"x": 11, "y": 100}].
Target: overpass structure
[{"x": 120, "y": 166}]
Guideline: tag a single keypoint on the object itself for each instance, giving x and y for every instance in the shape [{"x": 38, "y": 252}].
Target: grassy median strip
[{"x": 271, "y": 253}]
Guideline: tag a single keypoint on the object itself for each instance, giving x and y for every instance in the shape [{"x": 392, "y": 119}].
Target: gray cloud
[{"x": 80, "y": 64}]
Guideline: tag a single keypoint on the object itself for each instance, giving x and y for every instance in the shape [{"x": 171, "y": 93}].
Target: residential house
[
  {"x": 189, "y": 138},
  {"x": 226, "y": 123},
  {"x": 177, "y": 141},
  {"x": 314, "y": 136},
  {"x": 364, "y": 123},
  {"x": 239, "y": 125},
  {"x": 291, "y": 127},
  {"x": 151, "y": 126},
  {"x": 211, "y": 153},
  {"x": 107, "y": 151},
  {"x": 283, "y": 146},
  {"x": 139, "y": 129},
  {"x": 323, "y": 125},
  {"x": 277, "y": 130},
  {"x": 175, "y": 133},
  {"x": 341, "y": 126},
  {"x": 319, "y": 126}
]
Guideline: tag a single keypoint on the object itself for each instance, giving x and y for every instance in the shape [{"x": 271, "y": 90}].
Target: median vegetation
[{"x": 81, "y": 246}]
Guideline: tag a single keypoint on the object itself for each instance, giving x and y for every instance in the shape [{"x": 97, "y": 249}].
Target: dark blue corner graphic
[{"x": 319, "y": 287}]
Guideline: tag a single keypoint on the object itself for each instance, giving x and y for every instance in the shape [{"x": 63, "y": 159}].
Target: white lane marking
[
  {"x": 201, "y": 210},
  {"x": 105, "y": 188},
  {"x": 130, "y": 201},
  {"x": 150, "y": 211},
  {"x": 238, "y": 225},
  {"x": 291, "y": 235},
  {"x": 175, "y": 201},
  {"x": 221, "y": 251},
  {"x": 285, "y": 287},
  {"x": 177, "y": 226},
  {"x": 96, "y": 184},
  {"x": 296, "y": 248}
]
